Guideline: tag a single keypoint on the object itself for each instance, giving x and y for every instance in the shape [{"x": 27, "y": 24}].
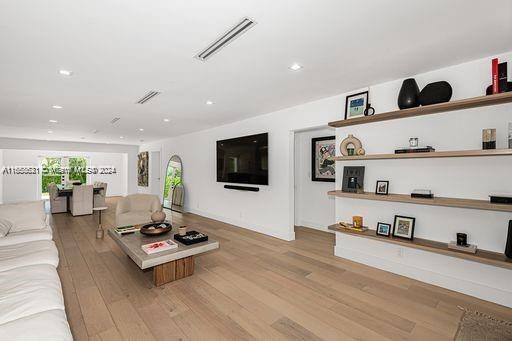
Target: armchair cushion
[{"x": 136, "y": 209}]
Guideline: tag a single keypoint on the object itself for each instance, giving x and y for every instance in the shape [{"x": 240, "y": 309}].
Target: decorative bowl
[{"x": 155, "y": 229}]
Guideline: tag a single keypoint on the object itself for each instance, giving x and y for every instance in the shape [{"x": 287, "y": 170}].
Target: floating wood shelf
[
  {"x": 427, "y": 155},
  {"x": 481, "y": 256},
  {"x": 468, "y": 103},
  {"x": 406, "y": 198}
]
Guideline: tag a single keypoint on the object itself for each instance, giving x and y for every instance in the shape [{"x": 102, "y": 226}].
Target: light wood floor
[{"x": 253, "y": 287}]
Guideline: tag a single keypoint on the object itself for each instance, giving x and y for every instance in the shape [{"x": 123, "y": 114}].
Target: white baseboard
[
  {"x": 289, "y": 236},
  {"x": 314, "y": 225},
  {"x": 486, "y": 282}
]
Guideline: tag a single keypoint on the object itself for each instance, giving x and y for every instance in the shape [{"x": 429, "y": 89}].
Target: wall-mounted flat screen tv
[{"x": 243, "y": 160}]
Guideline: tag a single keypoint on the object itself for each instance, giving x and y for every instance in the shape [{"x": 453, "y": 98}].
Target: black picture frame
[
  {"x": 413, "y": 223},
  {"x": 353, "y": 179},
  {"x": 383, "y": 234},
  {"x": 377, "y": 187},
  {"x": 347, "y": 99},
  {"x": 331, "y": 163}
]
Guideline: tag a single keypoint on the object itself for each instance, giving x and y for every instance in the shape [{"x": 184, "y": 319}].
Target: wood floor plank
[{"x": 253, "y": 287}]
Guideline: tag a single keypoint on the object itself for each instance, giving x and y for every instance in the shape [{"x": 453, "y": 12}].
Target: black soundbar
[{"x": 242, "y": 188}]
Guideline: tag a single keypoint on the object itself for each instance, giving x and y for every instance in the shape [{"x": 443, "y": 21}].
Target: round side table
[{"x": 99, "y": 232}]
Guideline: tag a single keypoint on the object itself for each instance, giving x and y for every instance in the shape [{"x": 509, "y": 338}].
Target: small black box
[{"x": 501, "y": 199}]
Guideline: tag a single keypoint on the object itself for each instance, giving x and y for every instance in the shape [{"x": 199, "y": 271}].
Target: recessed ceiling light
[
  {"x": 166, "y": 120},
  {"x": 56, "y": 107},
  {"x": 121, "y": 137},
  {"x": 209, "y": 102},
  {"x": 50, "y": 132},
  {"x": 295, "y": 67},
  {"x": 141, "y": 129},
  {"x": 65, "y": 72},
  {"x": 53, "y": 121}
]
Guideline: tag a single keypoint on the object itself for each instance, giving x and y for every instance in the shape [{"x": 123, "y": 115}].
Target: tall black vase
[
  {"x": 508, "y": 247},
  {"x": 409, "y": 94}
]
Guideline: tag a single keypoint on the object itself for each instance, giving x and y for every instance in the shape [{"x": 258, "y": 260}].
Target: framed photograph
[
  {"x": 382, "y": 187},
  {"x": 353, "y": 179},
  {"x": 383, "y": 229},
  {"x": 404, "y": 227},
  {"x": 355, "y": 105},
  {"x": 322, "y": 149}
]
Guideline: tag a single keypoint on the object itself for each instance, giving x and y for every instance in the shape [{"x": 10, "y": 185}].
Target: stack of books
[
  {"x": 126, "y": 229},
  {"x": 418, "y": 149},
  {"x": 155, "y": 247}
]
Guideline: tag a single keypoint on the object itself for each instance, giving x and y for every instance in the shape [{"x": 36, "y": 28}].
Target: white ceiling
[{"x": 119, "y": 50}]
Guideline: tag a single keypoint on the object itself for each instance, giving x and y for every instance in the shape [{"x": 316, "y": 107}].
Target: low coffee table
[{"x": 168, "y": 265}]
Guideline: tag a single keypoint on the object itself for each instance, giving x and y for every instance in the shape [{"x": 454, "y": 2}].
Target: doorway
[{"x": 313, "y": 208}]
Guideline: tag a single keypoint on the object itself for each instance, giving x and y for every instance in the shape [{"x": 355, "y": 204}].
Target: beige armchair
[
  {"x": 99, "y": 199},
  {"x": 57, "y": 204},
  {"x": 136, "y": 209},
  {"x": 81, "y": 201}
]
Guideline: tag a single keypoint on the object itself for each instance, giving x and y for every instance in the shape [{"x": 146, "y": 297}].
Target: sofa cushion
[
  {"x": 49, "y": 325},
  {"x": 31, "y": 253},
  {"x": 28, "y": 215},
  {"x": 27, "y": 236},
  {"x": 29, "y": 290},
  {"x": 5, "y": 226}
]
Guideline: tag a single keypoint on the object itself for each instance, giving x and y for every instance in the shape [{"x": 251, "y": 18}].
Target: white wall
[
  {"x": 270, "y": 211},
  {"x": 313, "y": 208},
  {"x": 130, "y": 151},
  {"x": 26, "y": 187},
  {"x": 452, "y": 177}
]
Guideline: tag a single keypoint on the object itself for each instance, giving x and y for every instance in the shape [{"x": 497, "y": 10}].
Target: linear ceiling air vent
[
  {"x": 226, "y": 38},
  {"x": 114, "y": 120},
  {"x": 148, "y": 96}
]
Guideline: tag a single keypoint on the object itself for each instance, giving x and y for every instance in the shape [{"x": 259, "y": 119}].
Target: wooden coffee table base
[{"x": 171, "y": 271}]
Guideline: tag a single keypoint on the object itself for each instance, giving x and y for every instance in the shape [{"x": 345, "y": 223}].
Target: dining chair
[
  {"x": 81, "y": 202},
  {"x": 57, "y": 204}
]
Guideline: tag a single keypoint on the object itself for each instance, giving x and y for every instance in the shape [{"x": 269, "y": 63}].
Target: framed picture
[
  {"x": 142, "y": 169},
  {"x": 353, "y": 179},
  {"x": 404, "y": 227},
  {"x": 382, "y": 187},
  {"x": 322, "y": 149},
  {"x": 355, "y": 105},
  {"x": 383, "y": 229}
]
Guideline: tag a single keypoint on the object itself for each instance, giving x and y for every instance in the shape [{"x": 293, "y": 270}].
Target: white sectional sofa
[{"x": 31, "y": 300}]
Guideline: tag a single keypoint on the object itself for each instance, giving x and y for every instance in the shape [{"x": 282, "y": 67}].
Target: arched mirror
[{"x": 174, "y": 192}]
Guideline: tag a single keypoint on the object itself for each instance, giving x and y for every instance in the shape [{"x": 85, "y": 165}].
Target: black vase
[
  {"x": 408, "y": 96},
  {"x": 437, "y": 92},
  {"x": 508, "y": 247}
]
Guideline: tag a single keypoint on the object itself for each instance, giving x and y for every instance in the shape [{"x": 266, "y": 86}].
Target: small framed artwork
[
  {"x": 382, "y": 187},
  {"x": 355, "y": 105},
  {"x": 322, "y": 151},
  {"x": 404, "y": 227},
  {"x": 383, "y": 229}
]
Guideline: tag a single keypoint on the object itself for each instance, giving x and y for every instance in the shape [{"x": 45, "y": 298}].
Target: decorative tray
[{"x": 155, "y": 229}]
